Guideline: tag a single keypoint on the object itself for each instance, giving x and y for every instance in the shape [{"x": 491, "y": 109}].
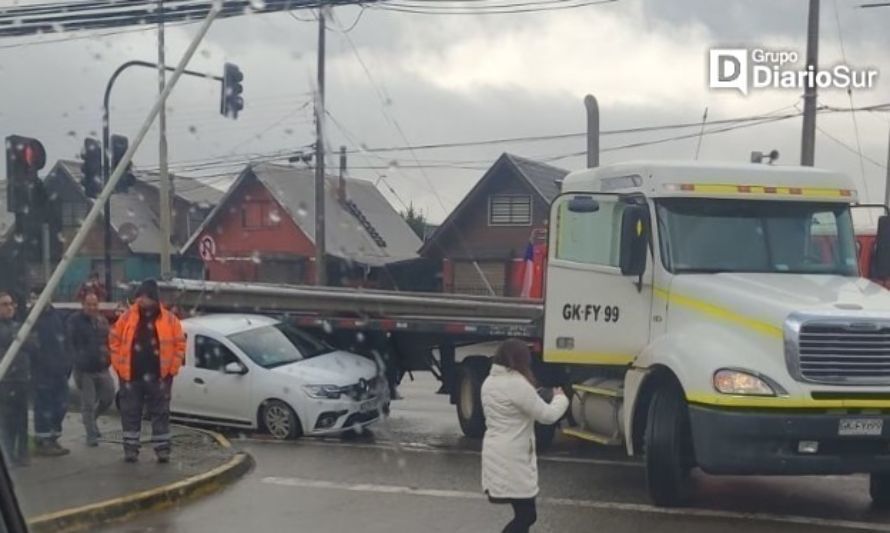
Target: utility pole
[
  {"x": 164, "y": 188},
  {"x": 593, "y": 131},
  {"x": 808, "y": 135},
  {"x": 320, "y": 266},
  {"x": 887, "y": 185}
]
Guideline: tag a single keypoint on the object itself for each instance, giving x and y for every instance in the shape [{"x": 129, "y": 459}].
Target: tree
[{"x": 416, "y": 220}]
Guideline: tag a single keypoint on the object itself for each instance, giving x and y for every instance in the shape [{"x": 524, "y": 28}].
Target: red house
[
  {"x": 482, "y": 244},
  {"x": 263, "y": 229}
]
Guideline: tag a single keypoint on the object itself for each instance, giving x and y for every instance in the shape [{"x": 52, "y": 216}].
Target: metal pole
[
  {"x": 887, "y": 182},
  {"x": 44, "y": 236},
  {"x": 106, "y": 150},
  {"x": 808, "y": 135},
  {"x": 91, "y": 217},
  {"x": 320, "y": 266},
  {"x": 593, "y": 131},
  {"x": 164, "y": 185}
]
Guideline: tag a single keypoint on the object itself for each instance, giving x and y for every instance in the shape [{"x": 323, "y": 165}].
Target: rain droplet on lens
[{"x": 193, "y": 130}]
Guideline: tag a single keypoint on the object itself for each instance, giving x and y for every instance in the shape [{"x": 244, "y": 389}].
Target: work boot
[
  {"x": 163, "y": 456},
  {"x": 49, "y": 448},
  {"x": 92, "y": 442},
  {"x": 131, "y": 456}
]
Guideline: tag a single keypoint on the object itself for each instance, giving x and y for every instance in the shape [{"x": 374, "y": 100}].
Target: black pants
[
  {"x": 525, "y": 514},
  {"x": 50, "y": 406},
  {"x": 14, "y": 421}
]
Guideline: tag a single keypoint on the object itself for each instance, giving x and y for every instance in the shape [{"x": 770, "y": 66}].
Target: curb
[{"x": 87, "y": 517}]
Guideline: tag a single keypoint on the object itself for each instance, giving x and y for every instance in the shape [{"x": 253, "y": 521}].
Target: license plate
[
  {"x": 368, "y": 406},
  {"x": 860, "y": 427}
]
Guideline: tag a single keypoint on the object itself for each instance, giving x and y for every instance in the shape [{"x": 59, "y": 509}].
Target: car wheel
[
  {"x": 469, "y": 401},
  {"x": 669, "y": 452},
  {"x": 280, "y": 421},
  {"x": 880, "y": 490}
]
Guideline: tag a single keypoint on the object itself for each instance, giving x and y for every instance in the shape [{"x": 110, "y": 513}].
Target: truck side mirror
[
  {"x": 881, "y": 260},
  {"x": 634, "y": 240},
  {"x": 583, "y": 204}
]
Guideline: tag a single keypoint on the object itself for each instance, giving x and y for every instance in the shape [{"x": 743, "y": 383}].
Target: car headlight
[
  {"x": 328, "y": 392},
  {"x": 727, "y": 381}
]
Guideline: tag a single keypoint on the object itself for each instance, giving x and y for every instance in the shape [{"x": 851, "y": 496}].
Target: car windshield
[
  {"x": 278, "y": 345},
  {"x": 701, "y": 235}
]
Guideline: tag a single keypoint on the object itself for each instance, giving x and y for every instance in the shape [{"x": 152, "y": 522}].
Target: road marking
[
  {"x": 419, "y": 447},
  {"x": 587, "y": 504}
]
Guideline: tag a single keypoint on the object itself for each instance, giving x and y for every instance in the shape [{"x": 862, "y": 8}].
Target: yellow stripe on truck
[
  {"x": 779, "y": 402},
  {"x": 720, "y": 313},
  {"x": 747, "y": 190},
  {"x": 587, "y": 358}
]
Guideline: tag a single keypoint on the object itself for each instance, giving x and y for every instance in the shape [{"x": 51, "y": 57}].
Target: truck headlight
[
  {"x": 728, "y": 381},
  {"x": 327, "y": 392}
]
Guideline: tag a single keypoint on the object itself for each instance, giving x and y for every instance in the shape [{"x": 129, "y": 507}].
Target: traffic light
[
  {"x": 91, "y": 167},
  {"x": 119, "y": 146},
  {"x": 231, "y": 101},
  {"x": 24, "y": 157}
]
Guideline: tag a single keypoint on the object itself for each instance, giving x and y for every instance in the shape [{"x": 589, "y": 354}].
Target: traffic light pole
[
  {"x": 106, "y": 152},
  {"x": 81, "y": 235}
]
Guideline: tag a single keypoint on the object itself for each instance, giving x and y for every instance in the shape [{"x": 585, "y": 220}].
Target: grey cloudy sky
[{"x": 458, "y": 78}]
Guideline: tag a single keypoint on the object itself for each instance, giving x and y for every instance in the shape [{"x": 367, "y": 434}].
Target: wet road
[{"x": 419, "y": 474}]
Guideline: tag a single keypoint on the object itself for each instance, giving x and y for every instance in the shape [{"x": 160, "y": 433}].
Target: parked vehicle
[
  {"x": 703, "y": 315},
  {"x": 255, "y": 372}
]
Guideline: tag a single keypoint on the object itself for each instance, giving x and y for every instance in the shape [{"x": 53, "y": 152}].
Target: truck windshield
[
  {"x": 710, "y": 235},
  {"x": 278, "y": 345}
]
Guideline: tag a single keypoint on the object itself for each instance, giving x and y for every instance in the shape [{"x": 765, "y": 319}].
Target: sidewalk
[{"x": 91, "y": 484}]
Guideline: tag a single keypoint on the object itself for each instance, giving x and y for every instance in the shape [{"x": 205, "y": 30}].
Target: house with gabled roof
[
  {"x": 482, "y": 244},
  {"x": 263, "y": 230}
]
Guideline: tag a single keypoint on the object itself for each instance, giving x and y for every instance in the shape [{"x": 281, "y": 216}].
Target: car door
[{"x": 211, "y": 393}]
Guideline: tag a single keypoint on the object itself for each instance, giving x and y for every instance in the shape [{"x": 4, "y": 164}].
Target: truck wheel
[
  {"x": 880, "y": 490},
  {"x": 469, "y": 401},
  {"x": 669, "y": 453}
]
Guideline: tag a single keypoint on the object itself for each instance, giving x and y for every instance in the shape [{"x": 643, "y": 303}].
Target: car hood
[
  {"x": 334, "y": 368},
  {"x": 772, "y": 297}
]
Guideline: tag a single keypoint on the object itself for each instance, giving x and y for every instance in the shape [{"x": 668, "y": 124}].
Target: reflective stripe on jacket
[{"x": 170, "y": 338}]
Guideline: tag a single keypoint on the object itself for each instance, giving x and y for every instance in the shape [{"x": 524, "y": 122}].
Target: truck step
[
  {"x": 592, "y": 437},
  {"x": 599, "y": 391}
]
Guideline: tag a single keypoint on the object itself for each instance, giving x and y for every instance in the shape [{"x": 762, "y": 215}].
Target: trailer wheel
[
  {"x": 880, "y": 490},
  {"x": 469, "y": 400},
  {"x": 668, "y": 445}
]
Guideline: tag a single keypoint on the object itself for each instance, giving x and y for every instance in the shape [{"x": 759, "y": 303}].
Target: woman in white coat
[{"x": 512, "y": 406}]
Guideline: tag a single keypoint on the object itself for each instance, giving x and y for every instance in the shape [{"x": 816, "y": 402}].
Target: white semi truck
[{"x": 703, "y": 315}]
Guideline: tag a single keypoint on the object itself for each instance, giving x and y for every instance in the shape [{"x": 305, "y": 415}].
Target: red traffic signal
[{"x": 24, "y": 157}]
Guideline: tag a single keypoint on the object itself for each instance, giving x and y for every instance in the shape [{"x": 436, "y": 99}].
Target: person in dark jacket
[
  {"x": 50, "y": 370},
  {"x": 14, "y": 387},
  {"x": 88, "y": 339}
]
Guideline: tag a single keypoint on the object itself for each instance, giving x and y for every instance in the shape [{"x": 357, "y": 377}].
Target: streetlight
[{"x": 106, "y": 148}]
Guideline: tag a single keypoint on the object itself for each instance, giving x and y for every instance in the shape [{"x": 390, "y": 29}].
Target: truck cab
[{"x": 714, "y": 316}]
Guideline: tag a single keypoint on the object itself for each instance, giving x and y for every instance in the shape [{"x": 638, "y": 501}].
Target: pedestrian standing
[
  {"x": 50, "y": 370},
  {"x": 147, "y": 349},
  {"x": 88, "y": 338},
  {"x": 512, "y": 406},
  {"x": 14, "y": 386},
  {"x": 93, "y": 285}
]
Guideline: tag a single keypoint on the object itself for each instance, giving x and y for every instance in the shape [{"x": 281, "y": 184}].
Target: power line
[{"x": 503, "y": 9}]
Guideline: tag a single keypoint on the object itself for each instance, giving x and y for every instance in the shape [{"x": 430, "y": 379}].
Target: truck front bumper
[{"x": 751, "y": 442}]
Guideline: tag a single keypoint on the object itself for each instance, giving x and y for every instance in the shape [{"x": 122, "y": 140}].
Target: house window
[
  {"x": 257, "y": 215},
  {"x": 509, "y": 210},
  {"x": 73, "y": 214}
]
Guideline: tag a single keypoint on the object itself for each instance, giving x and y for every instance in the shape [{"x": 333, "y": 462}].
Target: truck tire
[
  {"x": 469, "y": 400},
  {"x": 668, "y": 449},
  {"x": 880, "y": 490}
]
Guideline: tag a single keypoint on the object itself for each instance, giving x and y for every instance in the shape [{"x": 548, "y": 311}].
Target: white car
[{"x": 255, "y": 372}]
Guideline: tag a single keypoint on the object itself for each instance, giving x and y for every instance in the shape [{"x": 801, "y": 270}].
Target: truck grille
[{"x": 844, "y": 353}]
